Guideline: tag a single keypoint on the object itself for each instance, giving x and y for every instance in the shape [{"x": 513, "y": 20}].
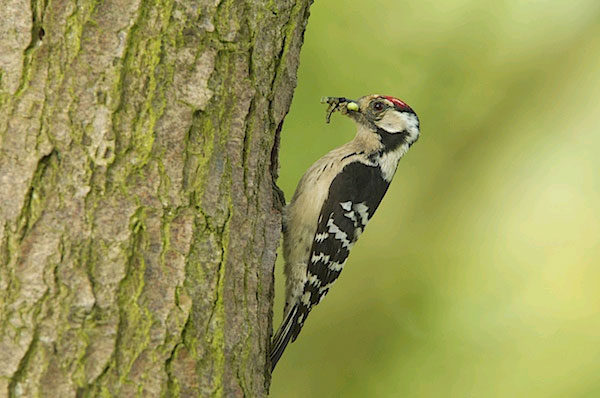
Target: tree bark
[{"x": 138, "y": 221}]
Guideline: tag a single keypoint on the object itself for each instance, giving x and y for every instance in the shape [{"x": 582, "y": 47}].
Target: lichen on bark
[{"x": 138, "y": 149}]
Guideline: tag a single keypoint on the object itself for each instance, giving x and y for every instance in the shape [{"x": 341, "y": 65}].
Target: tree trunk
[{"x": 138, "y": 224}]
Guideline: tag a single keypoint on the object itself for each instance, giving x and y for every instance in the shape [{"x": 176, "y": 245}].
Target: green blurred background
[{"x": 479, "y": 276}]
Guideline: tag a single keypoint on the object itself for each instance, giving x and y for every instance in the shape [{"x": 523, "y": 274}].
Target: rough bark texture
[{"x": 138, "y": 142}]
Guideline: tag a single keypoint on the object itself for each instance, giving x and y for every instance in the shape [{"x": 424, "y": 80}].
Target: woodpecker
[{"x": 334, "y": 201}]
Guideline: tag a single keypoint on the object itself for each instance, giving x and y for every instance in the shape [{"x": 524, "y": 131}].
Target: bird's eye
[{"x": 378, "y": 106}]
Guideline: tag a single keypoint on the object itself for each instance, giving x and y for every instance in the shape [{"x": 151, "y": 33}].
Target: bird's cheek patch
[{"x": 392, "y": 122}]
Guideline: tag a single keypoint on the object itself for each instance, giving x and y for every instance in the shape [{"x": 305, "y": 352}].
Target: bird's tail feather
[{"x": 283, "y": 336}]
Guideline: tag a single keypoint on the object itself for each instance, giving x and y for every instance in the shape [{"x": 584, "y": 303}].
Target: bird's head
[{"x": 392, "y": 119}]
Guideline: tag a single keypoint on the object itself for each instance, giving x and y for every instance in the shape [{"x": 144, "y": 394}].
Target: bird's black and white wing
[{"x": 353, "y": 197}]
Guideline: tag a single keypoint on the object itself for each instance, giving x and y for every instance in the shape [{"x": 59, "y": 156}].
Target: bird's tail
[{"x": 284, "y": 335}]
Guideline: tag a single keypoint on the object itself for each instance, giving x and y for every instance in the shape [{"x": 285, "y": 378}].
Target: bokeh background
[{"x": 479, "y": 276}]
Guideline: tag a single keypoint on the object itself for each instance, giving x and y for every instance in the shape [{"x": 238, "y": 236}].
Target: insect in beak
[{"x": 339, "y": 104}]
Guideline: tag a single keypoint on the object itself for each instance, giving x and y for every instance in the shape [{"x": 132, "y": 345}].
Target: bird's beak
[{"x": 339, "y": 104}]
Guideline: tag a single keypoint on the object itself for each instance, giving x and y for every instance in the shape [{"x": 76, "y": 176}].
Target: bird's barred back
[{"x": 353, "y": 197}]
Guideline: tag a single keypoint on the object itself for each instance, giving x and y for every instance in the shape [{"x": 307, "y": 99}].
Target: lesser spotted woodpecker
[{"x": 334, "y": 201}]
